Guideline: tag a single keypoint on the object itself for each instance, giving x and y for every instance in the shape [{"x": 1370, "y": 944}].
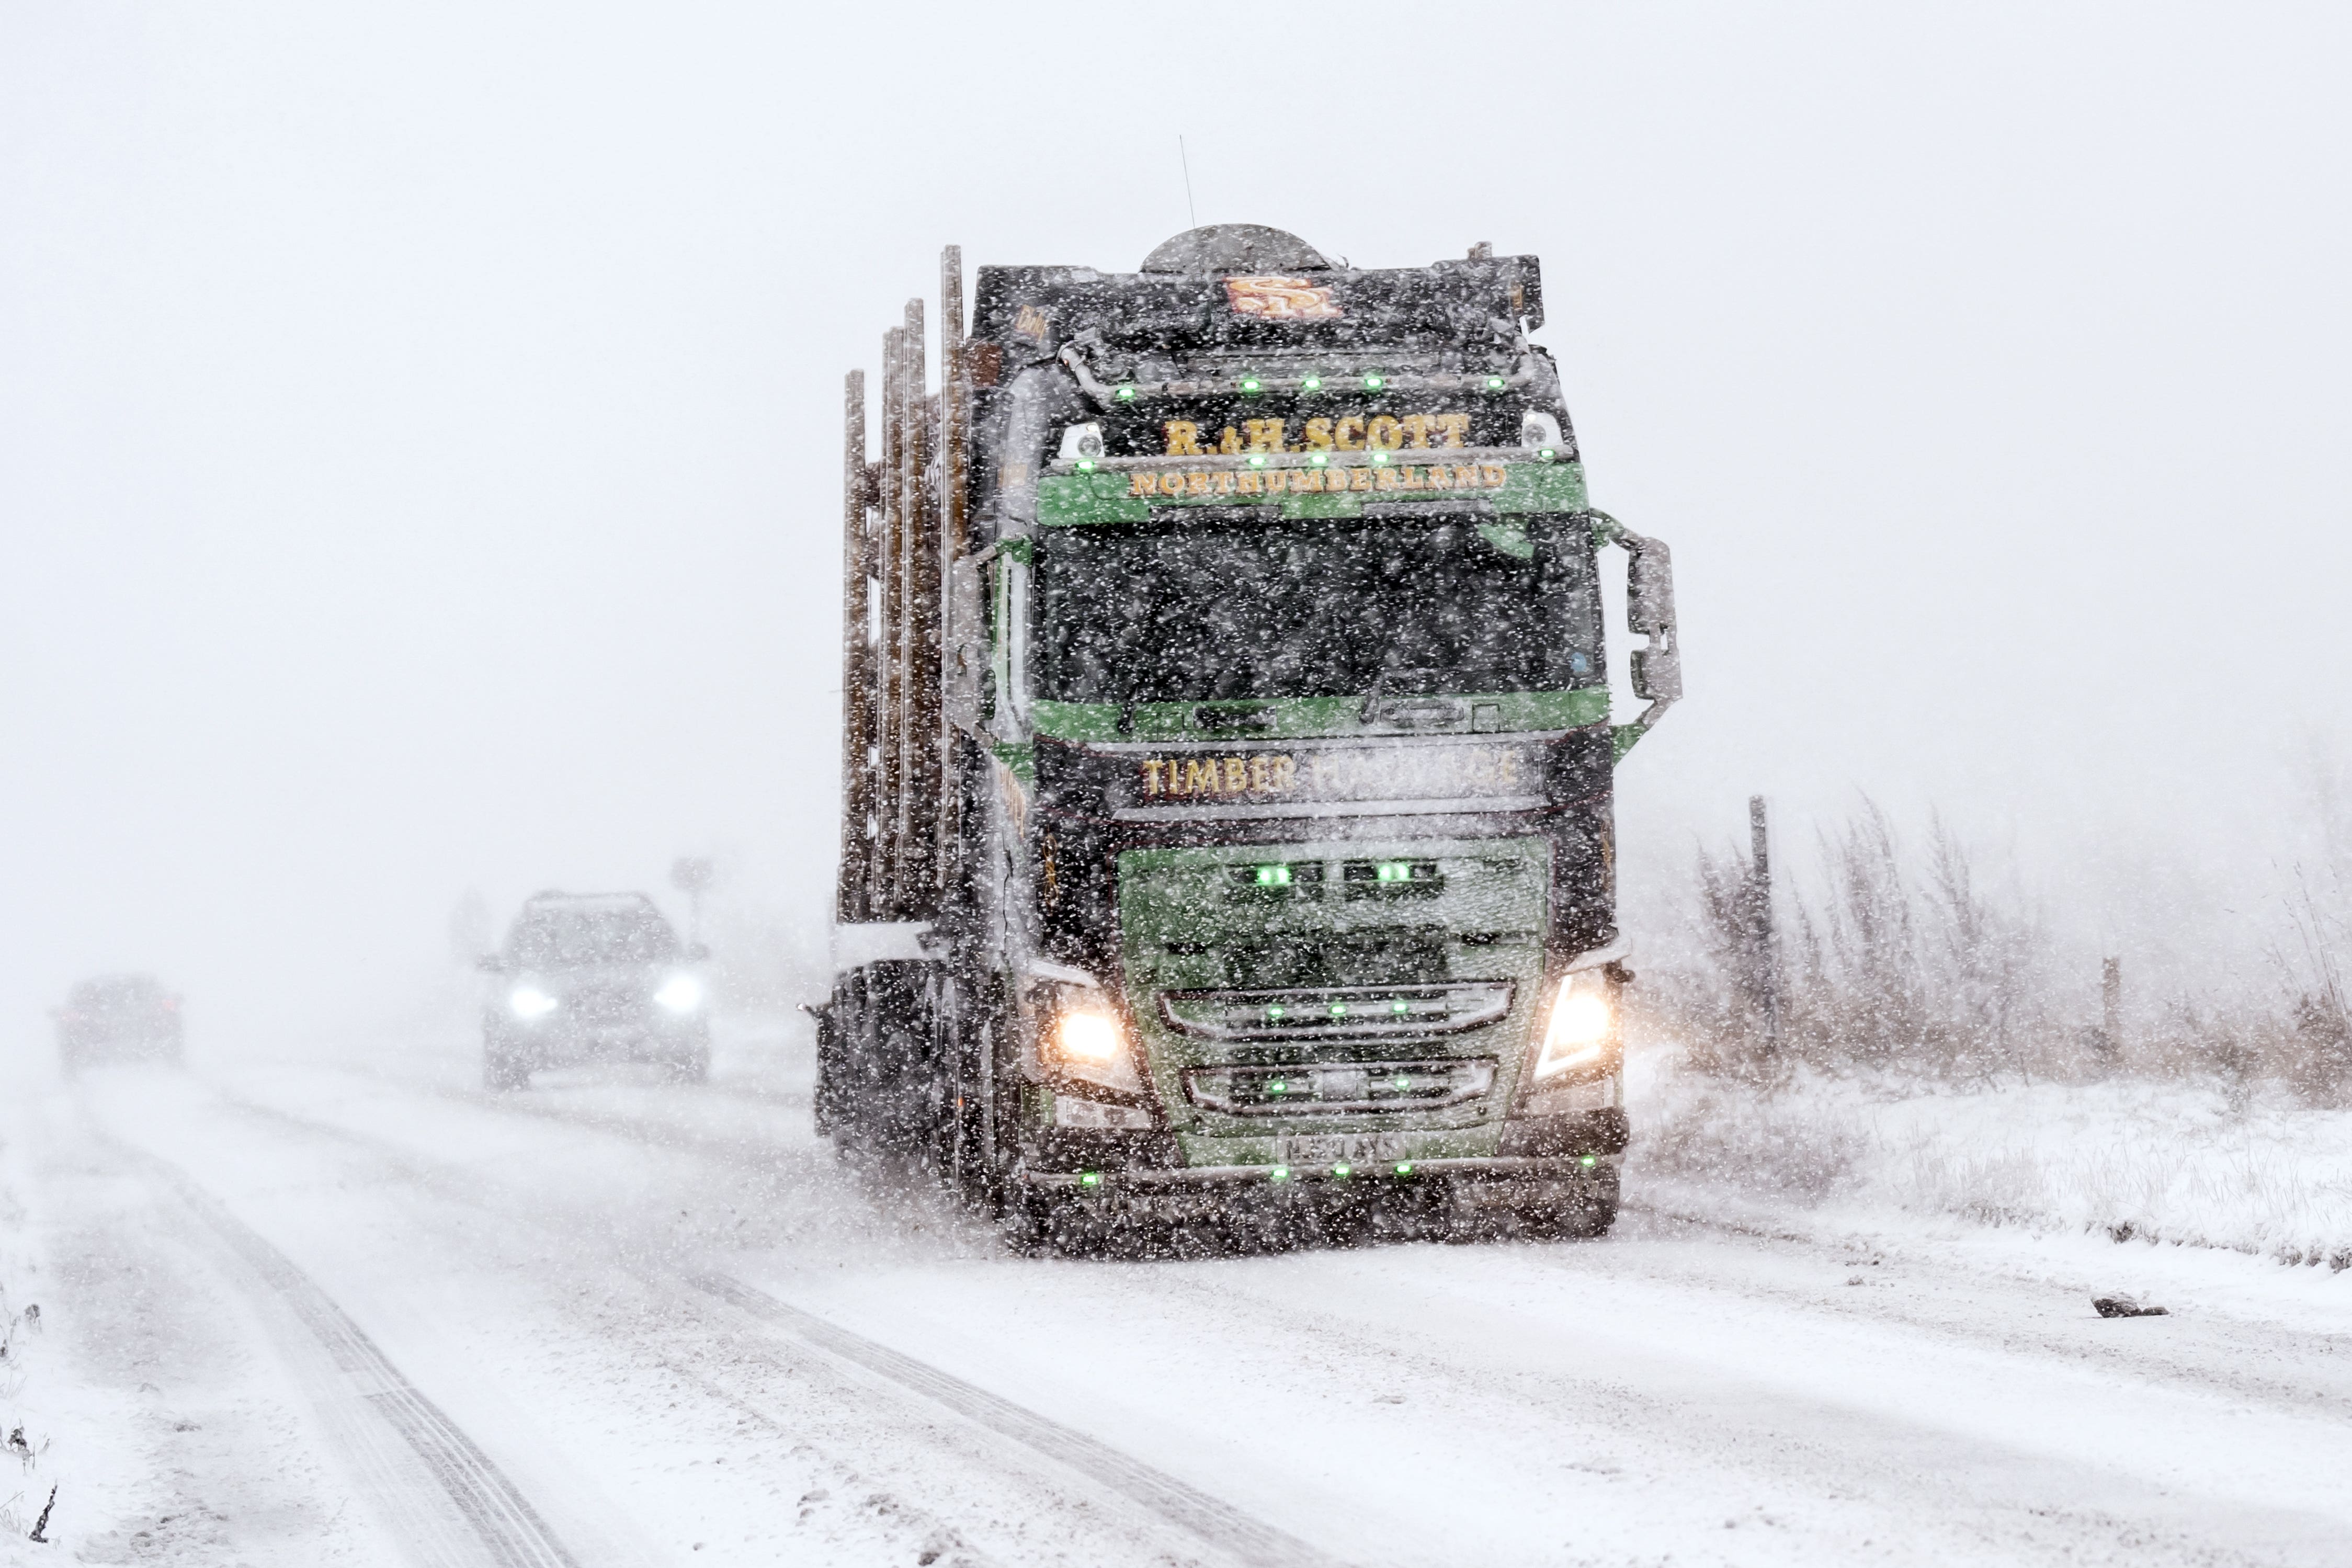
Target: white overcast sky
[{"x": 418, "y": 423}]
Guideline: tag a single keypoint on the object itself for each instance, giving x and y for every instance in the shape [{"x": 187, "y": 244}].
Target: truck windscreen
[{"x": 1190, "y": 611}]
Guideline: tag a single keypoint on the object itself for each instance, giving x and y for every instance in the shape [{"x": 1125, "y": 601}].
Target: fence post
[
  {"x": 2111, "y": 1004},
  {"x": 1765, "y": 954}
]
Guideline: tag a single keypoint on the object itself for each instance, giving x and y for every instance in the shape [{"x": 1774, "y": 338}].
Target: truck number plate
[{"x": 1339, "y": 1149}]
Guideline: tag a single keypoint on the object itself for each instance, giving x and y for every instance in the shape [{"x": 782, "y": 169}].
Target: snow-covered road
[{"x": 390, "y": 1319}]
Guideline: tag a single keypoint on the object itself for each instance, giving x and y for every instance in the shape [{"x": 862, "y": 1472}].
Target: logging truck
[{"x": 1226, "y": 838}]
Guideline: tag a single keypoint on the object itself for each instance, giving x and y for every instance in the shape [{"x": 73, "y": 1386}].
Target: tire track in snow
[
  {"x": 1226, "y": 1528},
  {"x": 1219, "y": 1525},
  {"x": 511, "y": 1532}
]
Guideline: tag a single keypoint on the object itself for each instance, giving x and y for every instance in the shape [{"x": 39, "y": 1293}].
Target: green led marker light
[
  {"x": 1395, "y": 872},
  {"x": 1372, "y": 383},
  {"x": 1590, "y": 1161},
  {"x": 1277, "y": 1013},
  {"x": 1273, "y": 875},
  {"x": 1312, "y": 384},
  {"x": 1280, "y": 1086},
  {"x": 1400, "y": 1081},
  {"x": 1400, "y": 1007},
  {"x": 1380, "y": 460},
  {"x": 1339, "y": 1009},
  {"x": 1257, "y": 459},
  {"x": 1126, "y": 392},
  {"x": 1545, "y": 455},
  {"x": 1405, "y": 1168},
  {"x": 1090, "y": 1179},
  {"x": 1250, "y": 384},
  {"x": 1495, "y": 383},
  {"x": 1319, "y": 458},
  {"x": 1343, "y": 1170},
  {"x": 1279, "y": 1174},
  {"x": 1086, "y": 464}
]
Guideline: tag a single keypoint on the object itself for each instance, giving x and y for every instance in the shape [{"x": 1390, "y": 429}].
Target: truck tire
[
  {"x": 880, "y": 1062},
  {"x": 1058, "y": 1225},
  {"x": 1586, "y": 1217}
]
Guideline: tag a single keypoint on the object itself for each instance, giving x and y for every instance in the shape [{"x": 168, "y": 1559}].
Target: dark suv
[
  {"x": 118, "y": 1018},
  {"x": 592, "y": 977}
]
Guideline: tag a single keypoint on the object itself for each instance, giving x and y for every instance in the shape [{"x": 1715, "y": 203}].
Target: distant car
[
  {"x": 593, "y": 978},
  {"x": 118, "y": 1018}
]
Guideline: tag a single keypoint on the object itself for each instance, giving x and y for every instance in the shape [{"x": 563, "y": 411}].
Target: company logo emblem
[{"x": 1281, "y": 299}]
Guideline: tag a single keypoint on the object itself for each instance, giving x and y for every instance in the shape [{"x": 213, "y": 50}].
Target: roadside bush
[
  {"x": 1884, "y": 959},
  {"x": 1909, "y": 959}
]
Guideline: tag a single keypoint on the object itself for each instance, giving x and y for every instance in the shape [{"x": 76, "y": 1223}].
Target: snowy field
[
  {"x": 2247, "y": 1168},
  {"x": 363, "y": 1314}
]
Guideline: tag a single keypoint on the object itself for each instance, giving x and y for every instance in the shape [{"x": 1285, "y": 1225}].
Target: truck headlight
[
  {"x": 529, "y": 1002},
  {"x": 680, "y": 993},
  {"x": 1084, "y": 1037},
  {"x": 1582, "y": 1027}
]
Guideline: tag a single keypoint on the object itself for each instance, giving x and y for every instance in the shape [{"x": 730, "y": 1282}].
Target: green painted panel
[
  {"x": 1020, "y": 760},
  {"x": 1071, "y": 501}
]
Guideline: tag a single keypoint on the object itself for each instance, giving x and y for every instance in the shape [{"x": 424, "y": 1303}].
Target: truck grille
[
  {"x": 1326, "y": 1087},
  {"x": 1337, "y": 1012}
]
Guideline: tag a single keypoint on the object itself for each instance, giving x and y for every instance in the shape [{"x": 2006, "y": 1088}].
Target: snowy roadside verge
[
  {"x": 27, "y": 1473},
  {"x": 2183, "y": 1163}
]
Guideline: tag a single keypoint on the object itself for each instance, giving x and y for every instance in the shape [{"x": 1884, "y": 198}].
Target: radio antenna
[{"x": 1190, "y": 210}]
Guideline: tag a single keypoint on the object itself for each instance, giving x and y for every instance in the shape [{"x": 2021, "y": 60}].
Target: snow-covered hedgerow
[
  {"x": 1901, "y": 955},
  {"x": 2253, "y": 1168},
  {"x": 24, "y": 1481}
]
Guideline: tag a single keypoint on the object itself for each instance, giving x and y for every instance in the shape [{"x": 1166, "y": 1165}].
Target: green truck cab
[{"x": 1228, "y": 761}]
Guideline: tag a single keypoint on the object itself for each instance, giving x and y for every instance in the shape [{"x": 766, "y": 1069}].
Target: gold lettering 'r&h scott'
[
  {"x": 1197, "y": 484},
  {"x": 1262, "y": 773},
  {"x": 1342, "y": 433}
]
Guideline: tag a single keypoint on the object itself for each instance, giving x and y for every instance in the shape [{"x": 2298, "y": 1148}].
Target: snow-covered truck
[{"x": 1228, "y": 755}]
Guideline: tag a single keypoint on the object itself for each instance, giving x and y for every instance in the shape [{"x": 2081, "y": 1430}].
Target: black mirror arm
[{"x": 1657, "y": 669}]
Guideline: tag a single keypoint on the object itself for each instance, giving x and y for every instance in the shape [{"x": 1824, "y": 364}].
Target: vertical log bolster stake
[
  {"x": 854, "y": 885},
  {"x": 891, "y": 674},
  {"x": 954, "y": 414},
  {"x": 919, "y": 758}
]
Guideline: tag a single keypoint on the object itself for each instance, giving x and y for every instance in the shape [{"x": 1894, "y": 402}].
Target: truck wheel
[
  {"x": 1055, "y": 1224},
  {"x": 1586, "y": 1214}
]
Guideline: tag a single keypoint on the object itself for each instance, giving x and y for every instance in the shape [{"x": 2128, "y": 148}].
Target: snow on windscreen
[
  {"x": 578, "y": 937},
  {"x": 1316, "y": 608}
]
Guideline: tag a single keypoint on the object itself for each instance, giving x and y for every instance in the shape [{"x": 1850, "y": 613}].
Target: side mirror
[
  {"x": 1657, "y": 670},
  {"x": 1650, "y": 611},
  {"x": 695, "y": 952},
  {"x": 490, "y": 963}
]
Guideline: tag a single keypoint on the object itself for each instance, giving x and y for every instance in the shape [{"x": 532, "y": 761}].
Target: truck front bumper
[
  {"x": 1538, "y": 1149},
  {"x": 1496, "y": 1169}
]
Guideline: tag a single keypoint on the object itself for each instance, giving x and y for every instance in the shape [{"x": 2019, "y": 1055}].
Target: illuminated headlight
[
  {"x": 529, "y": 1002},
  {"x": 1084, "y": 1037},
  {"x": 1582, "y": 1028},
  {"x": 680, "y": 993}
]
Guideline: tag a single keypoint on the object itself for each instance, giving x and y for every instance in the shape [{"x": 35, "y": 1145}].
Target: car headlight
[
  {"x": 1083, "y": 1036},
  {"x": 529, "y": 1002},
  {"x": 1582, "y": 1029},
  {"x": 680, "y": 993}
]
